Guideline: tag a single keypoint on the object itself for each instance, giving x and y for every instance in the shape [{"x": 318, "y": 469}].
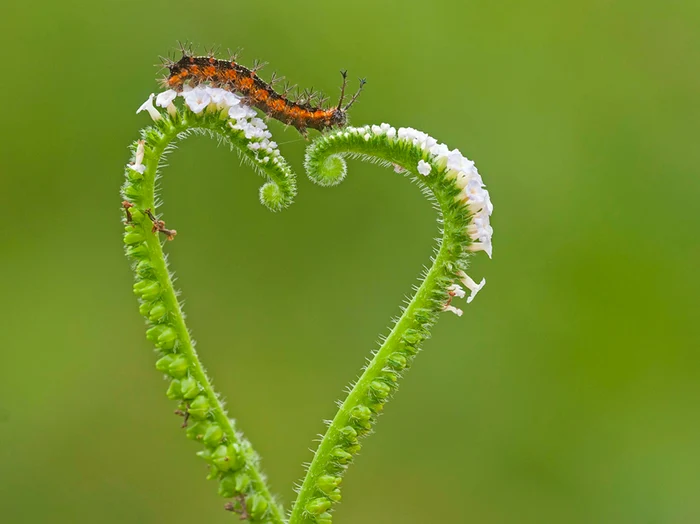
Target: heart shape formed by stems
[{"x": 446, "y": 177}]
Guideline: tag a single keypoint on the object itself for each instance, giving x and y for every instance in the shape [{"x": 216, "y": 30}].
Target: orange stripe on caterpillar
[{"x": 229, "y": 75}]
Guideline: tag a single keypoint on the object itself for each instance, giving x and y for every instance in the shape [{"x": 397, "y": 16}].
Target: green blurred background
[{"x": 567, "y": 392}]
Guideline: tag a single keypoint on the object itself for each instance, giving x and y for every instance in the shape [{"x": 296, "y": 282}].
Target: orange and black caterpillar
[{"x": 230, "y": 75}]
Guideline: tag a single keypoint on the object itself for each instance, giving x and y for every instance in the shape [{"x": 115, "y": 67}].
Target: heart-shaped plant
[{"x": 446, "y": 177}]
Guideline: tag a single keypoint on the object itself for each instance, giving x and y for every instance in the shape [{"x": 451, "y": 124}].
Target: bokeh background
[{"x": 568, "y": 392}]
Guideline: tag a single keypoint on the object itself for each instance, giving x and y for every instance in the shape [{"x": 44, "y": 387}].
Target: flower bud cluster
[
  {"x": 213, "y": 100},
  {"x": 227, "y": 458},
  {"x": 436, "y": 162},
  {"x": 230, "y": 458}
]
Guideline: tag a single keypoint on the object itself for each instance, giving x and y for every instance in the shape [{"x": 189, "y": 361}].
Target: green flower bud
[
  {"x": 213, "y": 472},
  {"x": 213, "y": 435},
  {"x": 412, "y": 337},
  {"x": 379, "y": 389},
  {"x": 197, "y": 430},
  {"x": 376, "y": 407},
  {"x": 390, "y": 376},
  {"x": 167, "y": 338},
  {"x": 318, "y": 505},
  {"x": 397, "y": 361},
  {"x": 328, "y": 483},
  {"x": 257, "y": 506},
  {"x": 341, "y": 456},
  {"x": 138, "y": 251},
  {"x": 353, "y": 449},
  {"x": 199, "y": 408},
  {"x": 131, "y": 191},
  {"x": 163, "y": 363},
  {"x": 242, "y": 482},
  {"x": 136, "y": 215},
  {"x": 147, "y": 289},
  {"x": 144, "y": 308},
  {"x": 349, "y": 434},
  {"x": 153, "y": 333},
  {"x": 174, "y": 391},
  {"x": 227, "y": 486},
  {"x": 190, "y": 387},
  {"x": 144, "y": 268},
  {"x": 324, "y": 518},
  {"x": 227, "y": 458},
  {"x": 361, "y": 416},
  {"x": 335, "y": 495},
  {"x": 157, "y": 312},
  {"x": 133, "y": 238},
  {"x": 205, "y": 454},
  {"x": 178, "y": 367}
]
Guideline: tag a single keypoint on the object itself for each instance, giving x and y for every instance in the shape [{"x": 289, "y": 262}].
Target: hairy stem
[
  {"x": 230, "y": 456},
  {"x": 325, "y": 165}
]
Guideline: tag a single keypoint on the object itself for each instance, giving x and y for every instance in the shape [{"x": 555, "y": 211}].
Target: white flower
[
  {"x": 258, "y": 122},
  {"x": 456, "y": 290},
  {"x": 197, "y": 99},
  {"x": 166, "y": 98},
  {"x": 480, "y": 229},
  {"x": 391, "y": 132},
  {"x": 138, "y": 164},
  {"x": 440, "y": 152},
  {"x": 453, "y": 309},
  {"x": 471, "y": 285},
  {"x": 222, "y": 98},
  {"x": 231, "y": 99},
  {"x": 237, "y": 112},
  {"x": 148, "y": 106},
  {"x": 367, "y": 136},
  {"x": 423, "y": 167},
  {"x": 427, "y": 143},
  {"x": 482, "y": 246}
]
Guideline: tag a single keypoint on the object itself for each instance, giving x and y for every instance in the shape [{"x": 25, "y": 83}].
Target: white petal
[
  {"x": 166, "y": 98},
  {"x": 424, "y": 168},
  {"x": 148, "y": 106},
  {"x": 454, "y": 310}
]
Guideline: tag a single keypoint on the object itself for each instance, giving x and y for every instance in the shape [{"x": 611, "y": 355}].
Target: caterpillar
[{"x": 230, "y": 75}]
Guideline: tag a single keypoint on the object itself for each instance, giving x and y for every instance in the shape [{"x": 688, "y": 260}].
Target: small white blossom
[
  {"x": 453, "y": 309},
  {"x": 456, "y": 290},
  {"x": 197, "y": 99},
  {"x": 237, "y": 112},
  {"x": 367, "y": 136},
  {"x": 258, "y": 122},
  {"x": 457, "y": 162},
  {"x": 424, "y": 167},
  {"x": 440, "y": 152},
  {"x": 148, "y": 106},
  {"x": 471, "y": 285},
  {"x": 166, "y": 98},
  {"x": 138, "y": 164},
  {"x": 482, "y": 246},
  {"x": 222, "y": 98}
]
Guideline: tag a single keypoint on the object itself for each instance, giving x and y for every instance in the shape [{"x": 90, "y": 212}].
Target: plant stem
[{"x": 231, "y": 457}]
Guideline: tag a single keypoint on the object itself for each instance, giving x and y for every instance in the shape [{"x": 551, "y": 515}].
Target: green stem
[
  {"x": 230, "y": 456},
  {"x": 379, "y": 381}
]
